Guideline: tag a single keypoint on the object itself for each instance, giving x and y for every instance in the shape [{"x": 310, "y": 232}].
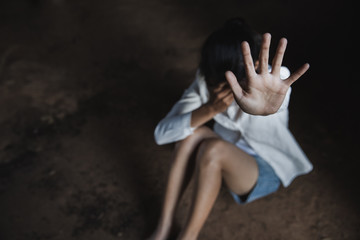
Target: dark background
[{"x": 84, "y": 83}]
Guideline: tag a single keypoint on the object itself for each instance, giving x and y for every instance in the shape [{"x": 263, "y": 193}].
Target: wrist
[
  {"x": 201, "y": 115},
  {"x": 210, "y": 109}
]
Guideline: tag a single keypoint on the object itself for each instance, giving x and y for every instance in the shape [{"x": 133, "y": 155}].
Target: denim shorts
[{"x": 267, "y": 183}]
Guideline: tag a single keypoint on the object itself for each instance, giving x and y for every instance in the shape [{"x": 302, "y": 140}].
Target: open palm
[{"x": 266, "y": 90}]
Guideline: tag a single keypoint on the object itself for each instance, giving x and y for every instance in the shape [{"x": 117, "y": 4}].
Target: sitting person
[{"x": 249, "y": 146}]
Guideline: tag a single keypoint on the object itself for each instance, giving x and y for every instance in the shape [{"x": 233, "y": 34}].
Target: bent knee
[
  {"x": 210, "y": 152},
  {"x": 199, "y": 134}
]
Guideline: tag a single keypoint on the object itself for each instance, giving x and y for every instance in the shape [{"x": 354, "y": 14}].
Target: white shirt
[{"x": 266, "y": 136}]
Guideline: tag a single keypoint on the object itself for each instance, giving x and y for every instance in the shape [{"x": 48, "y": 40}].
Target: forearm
[{"x": 202, "y": 115}]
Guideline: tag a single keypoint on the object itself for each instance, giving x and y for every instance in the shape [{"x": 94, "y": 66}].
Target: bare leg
[
  {"x": 183, "y": 151},
  {"x": 217, "y": 159}
]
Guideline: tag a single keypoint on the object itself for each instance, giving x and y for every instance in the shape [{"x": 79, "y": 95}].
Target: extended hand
[{"x": 266, "y": 90}]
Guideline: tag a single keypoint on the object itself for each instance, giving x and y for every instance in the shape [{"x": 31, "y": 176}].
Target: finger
[
  {"x": 248, "y": 61},
  {"x": 224, "y": 93},
  {"x": 229, "y": 98},
  {"x": 296, "y": 75},
  {"x": 234, "y": 85},
  {"x": 219, "y": 87},
  {"x": 279, "y": 55},
  {"x": 264, "y": 53}
]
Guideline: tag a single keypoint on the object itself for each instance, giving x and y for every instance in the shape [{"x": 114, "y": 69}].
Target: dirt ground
[{"x": 84, "y": 83}]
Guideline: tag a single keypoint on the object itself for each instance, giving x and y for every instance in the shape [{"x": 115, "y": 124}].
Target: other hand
[{"x": 220, "y": 98}]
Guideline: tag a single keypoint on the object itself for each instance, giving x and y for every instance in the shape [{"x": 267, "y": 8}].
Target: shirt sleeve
[
  {"x": 284, "y": 74},
  {"x": 177, "y": 123}
]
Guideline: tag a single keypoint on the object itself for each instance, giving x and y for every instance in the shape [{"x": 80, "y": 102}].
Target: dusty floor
[{"x": 83, "y": 84}]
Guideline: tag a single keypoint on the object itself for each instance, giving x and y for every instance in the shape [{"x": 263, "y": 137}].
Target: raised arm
[
  {"x": 266, "y": 90},
  {"x": 220, "y": 99},
  {"x": 189, "y": 112}
]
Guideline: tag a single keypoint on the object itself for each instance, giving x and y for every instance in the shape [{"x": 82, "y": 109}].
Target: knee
[
  {"x": 199, "y": 134},
  {"x": 210, "y": 153}
]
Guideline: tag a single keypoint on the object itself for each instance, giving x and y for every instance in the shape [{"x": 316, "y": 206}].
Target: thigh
[
  {"x": 239, "y": 169},
  {"x": 186, "y": 150}
]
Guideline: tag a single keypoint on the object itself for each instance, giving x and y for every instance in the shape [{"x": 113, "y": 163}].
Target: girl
[{"x": 249, "y": 146}]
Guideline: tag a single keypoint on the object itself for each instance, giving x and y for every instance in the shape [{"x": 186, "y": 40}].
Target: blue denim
[{"x": 267, "y": 183}]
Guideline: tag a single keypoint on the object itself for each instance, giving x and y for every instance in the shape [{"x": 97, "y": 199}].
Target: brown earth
[{"x": 83, "y": 84}]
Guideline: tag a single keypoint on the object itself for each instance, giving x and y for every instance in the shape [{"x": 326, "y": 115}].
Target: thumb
[{"x": 234, "y": 85}]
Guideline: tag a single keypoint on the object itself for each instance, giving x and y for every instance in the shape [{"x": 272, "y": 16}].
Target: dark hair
[{"x": 221, "y": 51}]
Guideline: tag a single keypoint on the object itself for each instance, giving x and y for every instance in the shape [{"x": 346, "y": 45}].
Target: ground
[{"x": 84, "y": 83}]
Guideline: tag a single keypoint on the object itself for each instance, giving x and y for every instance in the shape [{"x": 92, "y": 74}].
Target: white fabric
[{"x": 266, "y": 136}]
